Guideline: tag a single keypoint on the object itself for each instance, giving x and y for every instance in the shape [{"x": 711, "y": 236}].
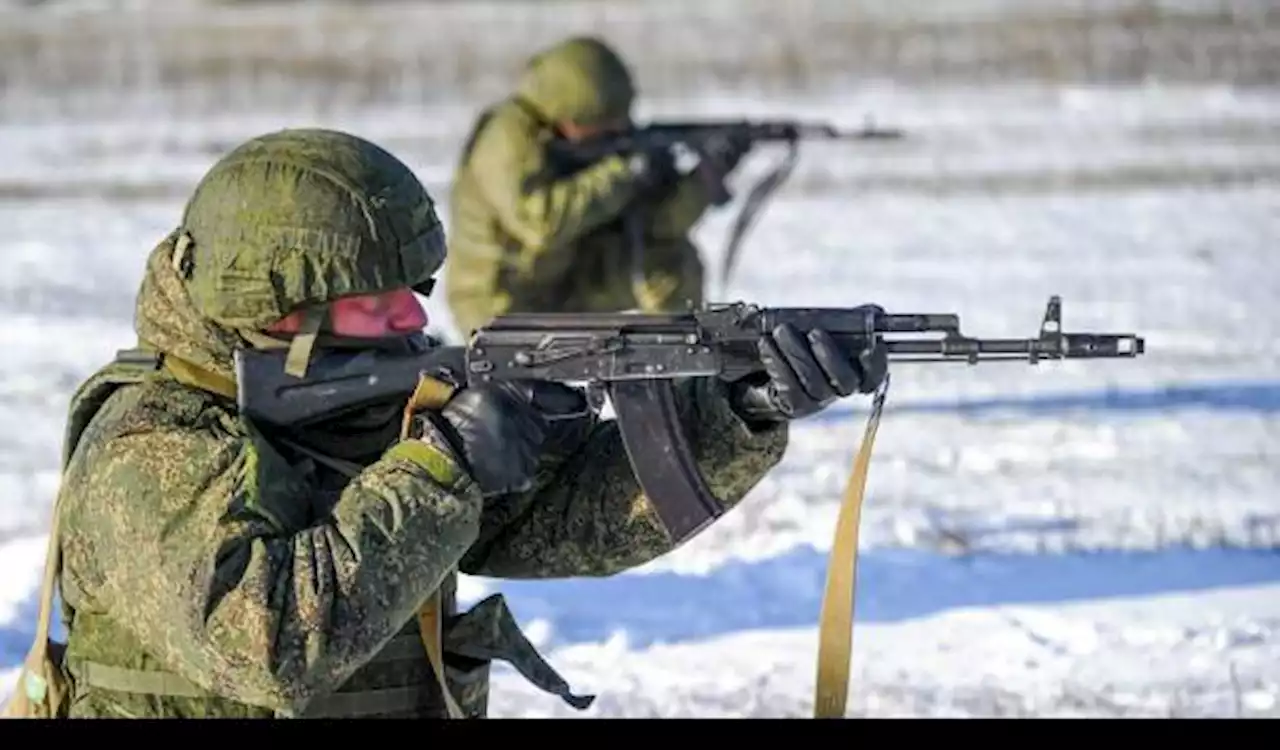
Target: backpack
[{"x": 41, "y": 691}]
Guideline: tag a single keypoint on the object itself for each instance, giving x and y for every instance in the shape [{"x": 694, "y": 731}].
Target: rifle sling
[
  {"x": 433, "y": 394},
  {"x": 36, "y": 686},
  {"x": 194, "y": 376},
  {"x": 835, "y": 625},
  {"x": 751, "y": 208}
]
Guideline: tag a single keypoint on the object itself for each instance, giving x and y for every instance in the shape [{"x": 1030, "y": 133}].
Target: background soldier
[
  {"x": 215, "y": 567},
  {"x": 528, "y": 234}
]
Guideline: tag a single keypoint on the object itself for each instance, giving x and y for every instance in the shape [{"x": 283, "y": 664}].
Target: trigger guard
[{"x": 594, "y": 396}]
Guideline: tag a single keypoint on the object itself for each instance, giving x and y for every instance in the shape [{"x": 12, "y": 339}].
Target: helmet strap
[{"x": 304, "y": 341}]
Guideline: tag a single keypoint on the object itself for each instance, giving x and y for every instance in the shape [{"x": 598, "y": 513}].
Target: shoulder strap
[
  {"x": 464, "y": 154},
  {"x": 34, "y": 680},
  {"x": 129, "y": 366}
]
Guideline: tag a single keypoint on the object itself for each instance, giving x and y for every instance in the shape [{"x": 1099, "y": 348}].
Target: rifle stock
[{"x": 636, "y": 359}]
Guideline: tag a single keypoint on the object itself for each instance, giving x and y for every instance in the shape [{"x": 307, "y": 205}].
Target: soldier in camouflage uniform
[
  {"x": 529, "y": 235},
  {"x": 214, "y": 567}
]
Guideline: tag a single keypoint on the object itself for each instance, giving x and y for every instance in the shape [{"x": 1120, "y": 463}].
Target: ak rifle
[
  {"x": 695, "y": 136},
  {"x": 634, "y": 359}
]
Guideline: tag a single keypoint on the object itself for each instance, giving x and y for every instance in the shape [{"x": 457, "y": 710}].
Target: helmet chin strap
[
  {"x": 304, "y": 341},
  {"x": 300, "y": 344}
]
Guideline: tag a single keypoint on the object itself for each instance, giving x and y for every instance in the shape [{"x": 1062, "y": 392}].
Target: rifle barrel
[{"x": 1064, "y": 346}]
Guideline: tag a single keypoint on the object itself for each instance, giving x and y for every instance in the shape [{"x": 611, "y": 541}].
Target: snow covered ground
[{"x": 1092, "y": 538}]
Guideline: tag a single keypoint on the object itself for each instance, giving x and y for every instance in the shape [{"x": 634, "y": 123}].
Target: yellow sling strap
[
  {"x": 835, "y": 625},
  {"x": 197, "y": 377},
  {"x": 41, "y": 688},
  {"x": 431, "y": 394}
]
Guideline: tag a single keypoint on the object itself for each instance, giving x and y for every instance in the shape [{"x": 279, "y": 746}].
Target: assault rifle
[
  {"x": 633, "y": 358},
  {"x": 695, "y": 136}
]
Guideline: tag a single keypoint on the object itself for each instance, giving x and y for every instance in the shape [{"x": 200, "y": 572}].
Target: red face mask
[{"x": 392, "y": 313}]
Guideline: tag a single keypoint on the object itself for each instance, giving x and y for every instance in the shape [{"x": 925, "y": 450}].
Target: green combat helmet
[
  {"x": 294, "y": 219},
  {"x": 581, "y": 80}
]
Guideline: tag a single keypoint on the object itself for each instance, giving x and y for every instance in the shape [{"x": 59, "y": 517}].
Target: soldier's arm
[
  {"x": 203, "y": 548},
  {"x": 545, "y": 216},
  {"x": 676, "y": 214},
  {"x": 591, "y": 518}
]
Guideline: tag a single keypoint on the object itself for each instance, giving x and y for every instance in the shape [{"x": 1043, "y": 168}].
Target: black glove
[
  {"x": 805, "y": 375},
  {"x": 655, "y": 171},
  {"x": 726, "y": 149},
  {"x": 500, "y": 431}
]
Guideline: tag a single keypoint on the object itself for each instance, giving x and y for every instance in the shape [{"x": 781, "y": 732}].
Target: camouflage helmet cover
[
  {"x": 580, "y": 79},
  {"x": 299, "y": 217}
]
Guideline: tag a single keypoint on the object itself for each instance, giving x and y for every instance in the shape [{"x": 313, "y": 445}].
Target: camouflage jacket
[
  {"x": 209, "y": 572},
  {"x": 526, "y": 237}
]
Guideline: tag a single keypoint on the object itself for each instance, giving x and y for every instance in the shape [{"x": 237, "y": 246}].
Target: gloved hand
[
  {"x": 499, "y": 431},
  {"x": 654, "y": 171},
  {"x": 726, "y": 150},
  {"x": 805, "y": 375}
]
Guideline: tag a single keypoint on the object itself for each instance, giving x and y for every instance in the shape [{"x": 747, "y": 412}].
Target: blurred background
[{"x": 1086, "y": 538}]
